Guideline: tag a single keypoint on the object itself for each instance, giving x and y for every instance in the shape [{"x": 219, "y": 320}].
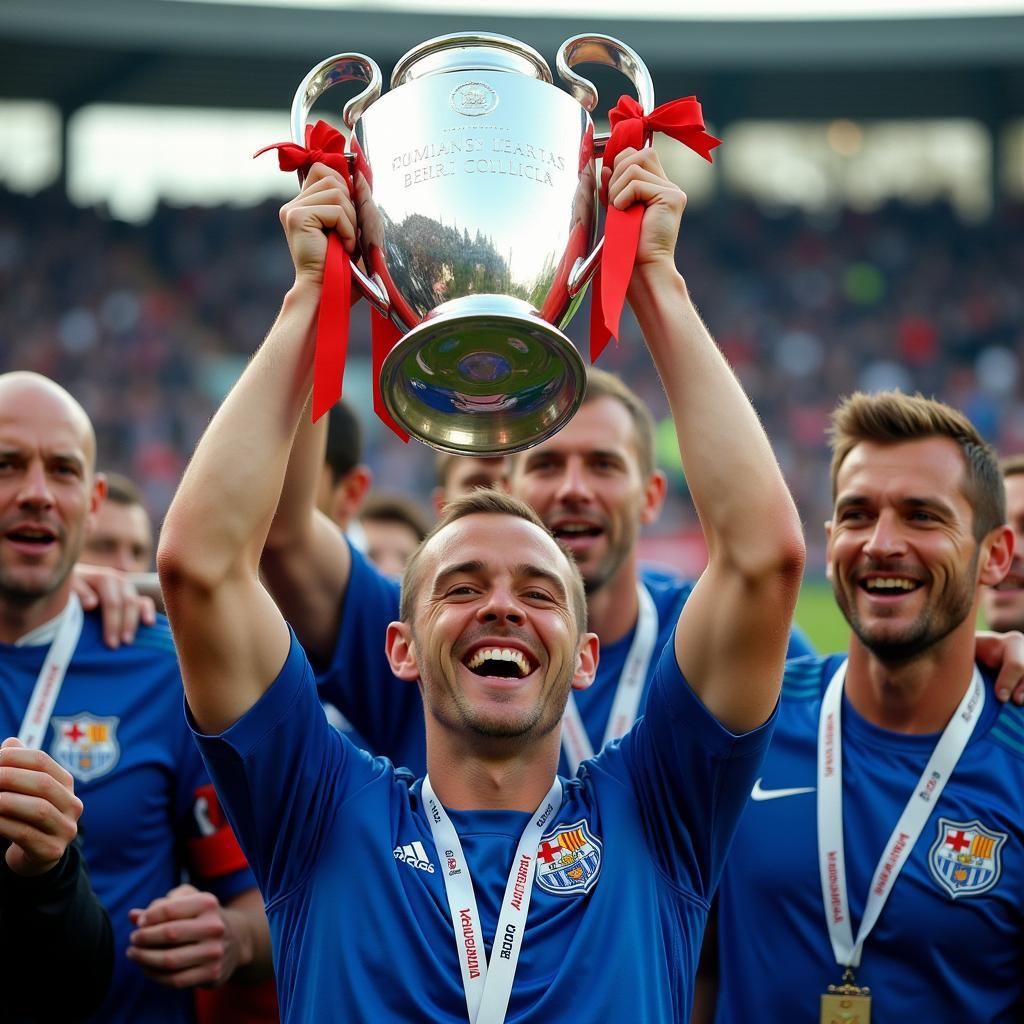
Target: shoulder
[
  {"x": 151, "y": 651},
  {"x": 805, "y": 678},
  {"x": 156, "y": 637},
  {"x": 1008, "y": 729},
  {"x": 666, "y": 588}
]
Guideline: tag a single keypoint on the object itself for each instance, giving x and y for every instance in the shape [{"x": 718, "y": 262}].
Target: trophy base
[{"x": 483, "y": 375}]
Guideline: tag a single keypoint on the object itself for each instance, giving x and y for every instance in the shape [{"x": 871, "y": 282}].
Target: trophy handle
[
  {"x": 342, "y": 67},
  {"x": 599, "y": 49}
]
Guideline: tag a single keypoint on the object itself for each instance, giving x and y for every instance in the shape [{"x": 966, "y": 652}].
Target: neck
[
  {"x": 466, "y": 780},
  {"x": 19, "y": 616},
  {"x": 914, "y": 696},
  {"x": 612, "y": 610}
]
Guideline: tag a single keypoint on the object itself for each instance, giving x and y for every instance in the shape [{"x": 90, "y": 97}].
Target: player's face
[
  {"x": 903, "y": 560},
  {"x": 1004, "y": 603},
  {"x": 465, "y": 475},
  {"x": 47, "y": 492},
  {"x": 495, "y": 637},
  {"x": 389, "y": 544},
  {"x": 585, "y": 483},
  {"x": 120, "y": 537}
]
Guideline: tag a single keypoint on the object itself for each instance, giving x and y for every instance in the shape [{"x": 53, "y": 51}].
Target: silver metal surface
[{"x": 481, "y": 216}]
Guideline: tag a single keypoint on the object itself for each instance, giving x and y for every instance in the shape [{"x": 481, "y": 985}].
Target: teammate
[
  {"x": 344, "y": 479},
  {"x": 112, "y": 719},
  {"x": 462, "y": 474},
  {"x": 46, "y": 901},
  {"x": 1004, "y": 603},
  {"x": 394, "y": 525},
  {"x": 352, "y": 857},
  {"x": 121, "y": 536},
  {"x": 886, "y": 828}
]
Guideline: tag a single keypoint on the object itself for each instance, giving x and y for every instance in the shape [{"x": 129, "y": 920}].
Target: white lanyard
[
  {"x": 488, "y": 985},
  {"x": 51, "y": 675},
  {"x": 897, "y": 850},
  {"x": 575, "y": 741}
]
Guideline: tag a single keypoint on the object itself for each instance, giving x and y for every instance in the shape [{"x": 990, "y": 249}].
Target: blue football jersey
[
  {"x": 344, "y": 855},
  {"x": 949, "y": 945},
  {"x": 149, "y": 808},
  {"x": 388, "y": 712}
]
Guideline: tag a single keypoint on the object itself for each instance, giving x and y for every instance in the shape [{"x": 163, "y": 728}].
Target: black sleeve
[{"x": 56, "y": 942}]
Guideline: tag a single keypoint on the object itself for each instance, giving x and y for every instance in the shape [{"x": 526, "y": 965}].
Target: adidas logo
[{"x": 415, "y": 856}]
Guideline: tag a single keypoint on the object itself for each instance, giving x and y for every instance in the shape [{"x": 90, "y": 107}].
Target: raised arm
[
  {"x": 306, "y": 560},
  {"x": 231, "y": 638},
  {"x": 732, "y": 634}
]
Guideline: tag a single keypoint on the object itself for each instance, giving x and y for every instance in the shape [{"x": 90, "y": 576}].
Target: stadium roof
[{"x": 165, "y": 52}]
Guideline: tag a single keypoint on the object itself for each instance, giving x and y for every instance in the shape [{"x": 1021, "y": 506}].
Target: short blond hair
[{"x": 892, "y": 417}]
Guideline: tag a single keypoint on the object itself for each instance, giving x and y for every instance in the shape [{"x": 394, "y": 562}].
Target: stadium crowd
[{"x": 149, "y": 325}]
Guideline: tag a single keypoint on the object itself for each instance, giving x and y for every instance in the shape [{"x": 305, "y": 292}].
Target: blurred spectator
[
  {"x": 394, "y": 525},
  {"x": 121, "y": 536},
  {"x": 1004, "y": 603},
  {"x": 345, "y": 479},
  {"x": 459, "y": 474}
]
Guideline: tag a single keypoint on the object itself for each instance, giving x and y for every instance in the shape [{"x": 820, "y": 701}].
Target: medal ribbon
[
  {"x": 51, "y": 675},
  {"x": 326, "y": 145},
  {"x": 488, "y": 985},
  {"x": 897, "y": 850},
  {"x": 575, "y": 741},
  {"x": 683, "y": 120}
]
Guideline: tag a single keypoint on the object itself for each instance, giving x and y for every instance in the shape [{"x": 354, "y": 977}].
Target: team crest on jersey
[
  {"x": 86, "y": 745},
  {"x": 965, "y": 858},
  {"x": 568, "y": 860}
]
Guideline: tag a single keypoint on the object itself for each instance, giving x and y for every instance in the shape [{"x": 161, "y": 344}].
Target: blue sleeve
[
  {"x": 358, "y": 681},
  {"x": 691, "y": 777},
  {"x": 282, "y": 773},
  {"x": 799, "y": 644}
]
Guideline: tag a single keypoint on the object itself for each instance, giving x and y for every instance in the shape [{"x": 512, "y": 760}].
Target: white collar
[{"x": 45, "y": 633}]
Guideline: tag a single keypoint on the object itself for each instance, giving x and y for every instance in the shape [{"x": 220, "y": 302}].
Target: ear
[
  {"x": 437, "y": 500},
  {"x": 350, "y": 493},
  {"x": 654, "y": 497},
  {"x": 828, "y": 550},
  {"x": 587, "y": 657},
  {"x": 996, "y": 556},
  {"x": 99, "y": 493},
  {"x": 401, "y": 652}
]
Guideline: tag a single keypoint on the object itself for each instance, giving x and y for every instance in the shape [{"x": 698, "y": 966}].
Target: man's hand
[
  {"x": 322, "y": 205},
  {"x": 1003, "y": 652},
  {"x": 637, "y": 177},
  {"x": 187, "y": 938},
  {"x": 39, "y": 811},
  {"x": 120, "y": 604}
]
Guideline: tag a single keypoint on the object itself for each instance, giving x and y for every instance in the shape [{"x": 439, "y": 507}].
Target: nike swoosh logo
[{"x": 757, "y": 793}]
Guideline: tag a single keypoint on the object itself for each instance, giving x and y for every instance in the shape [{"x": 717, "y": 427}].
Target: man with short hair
[
  {"x": 884, "y": 843},
  {"x": 121, "y": 536},
  {"x": 606, "y": 879},
  {"x": 1004, "y": 603},
  {"x": 344, "y": 479},
  {"x": 394, "y": 525},
  {"x": 112, "y": 719},
  {"x": 458, "y": 475}
]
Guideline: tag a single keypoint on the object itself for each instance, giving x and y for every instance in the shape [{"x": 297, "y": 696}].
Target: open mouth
[
  {"x": 503, "y": 662},
  {"x": 569, "y": 531},
  {"x": 31, "y": 536},
  {"x": 888, "y": 586}
]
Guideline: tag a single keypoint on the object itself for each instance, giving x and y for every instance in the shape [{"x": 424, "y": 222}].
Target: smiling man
[
  {"x": 1004, "y": 603},
  {"x": 499, "y": 890},
  {"x": 884, "y": 843}
]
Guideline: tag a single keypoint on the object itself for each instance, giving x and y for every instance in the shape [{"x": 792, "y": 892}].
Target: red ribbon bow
[
  {"x": 326, "y": 145},
  {"x": 631, "y": 128}
]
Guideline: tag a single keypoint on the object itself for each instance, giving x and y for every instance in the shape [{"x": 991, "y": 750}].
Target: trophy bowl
[{"x": 476, "y": 196}]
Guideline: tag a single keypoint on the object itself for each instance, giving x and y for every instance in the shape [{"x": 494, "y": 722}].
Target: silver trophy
[{"x": 478, "y": 226}]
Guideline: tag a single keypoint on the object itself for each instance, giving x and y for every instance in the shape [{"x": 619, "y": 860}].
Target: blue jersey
[
  {"x": 149, "y": 808},
  {"x": 344, "y": 855},
  {"x": 949, "y": 945},
  {"x": 388, "y": 712}
]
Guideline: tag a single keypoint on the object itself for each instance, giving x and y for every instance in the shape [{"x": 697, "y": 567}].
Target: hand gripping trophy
[{"x": 477, "y": 200}]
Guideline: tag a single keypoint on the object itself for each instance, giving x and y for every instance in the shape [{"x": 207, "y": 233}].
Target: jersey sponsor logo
[
  {"x": 415, "y": 856},
  {"x": 757, "y": 793},
  {"x": 86, "y": 745},
  {"x": 569, "y": 860},
  {"x": 965, "y": 858}
]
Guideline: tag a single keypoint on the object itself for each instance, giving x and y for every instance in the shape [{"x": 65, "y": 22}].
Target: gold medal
[{"x": 846, "y": 1003}]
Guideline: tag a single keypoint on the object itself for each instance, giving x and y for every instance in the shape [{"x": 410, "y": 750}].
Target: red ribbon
[
  {"x": 326, "y": 145},
  {"x": 631, "y": 128}
]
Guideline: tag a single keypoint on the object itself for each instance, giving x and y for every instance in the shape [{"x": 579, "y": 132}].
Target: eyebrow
[{"x": 860, "y": 500}]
